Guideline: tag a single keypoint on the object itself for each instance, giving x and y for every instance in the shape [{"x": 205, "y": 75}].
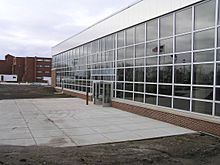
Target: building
[
  {"x": 27, "y": 69},
  {"x": 161, "y": 60}
]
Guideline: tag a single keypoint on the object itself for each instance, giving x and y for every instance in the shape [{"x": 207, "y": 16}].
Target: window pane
[
  {"x": 128, "y": 96},
  {"x": 202, "y": 107},
  {"x": 165, "y": 89},
  {"x": 166, "y": 59},
  {"x": 151, "y": 61},
  {"x": 204, "y": 56},
  {"x": 152, "y": 48},
  {"x": 121, "y": 54},
  {"x": 218, "y": 75},
  {"x": 183, "y": 58},
  {"x": 150, "y": 99},
  {"x": 203, "y": 93},
  {"x": 120, "y": 86},
  {"x": 183, "y": 43},
  {"x": 219, "y": 36},
  {"x": 204, "y": 39},
  {"x": 166, "y": 26},
  {"x": 152, "y": 30},
  {"x": 166, "y": 46},
  {"x": 129, "y": 34},
  {"x": 151, "y": 88},
  {"x": 139, "y": 74},
  {"x": 218, "y": 94},
  {"x": 139, "y": 87},
  {"x": 182, "y": 91},
  {"x": 181, "y": 104},
  {"x": 203, "y": 74},
  {"x": 183, "y": 74},
  {"x": 129, "y": 52},
  {"x": 138, "y": 97},
  {"x": 129, "y": 63},
  {"x": 121, "y": 39},
  {"x": 140, "y": 33},
  {"x": 139, "y": 50},
  {"x": 119, "y": 94},
  {"x": 205, "y": 14},
  {"x": 151, "y": 74},
  {"x": 217, "y": 109},
  {"x": 128, "y": 74},
  {"x": 164, "y": 101},
  {"x": 129, "y": 86},
  {"x": 165, "y": 74},
  {"x": 184, "y": 21},
  {"x": 139, "y": 62},
  {"x": 218, "y": 55},
  {"x": 120, "y": 63},
  {"x": 120, "y": 74}
]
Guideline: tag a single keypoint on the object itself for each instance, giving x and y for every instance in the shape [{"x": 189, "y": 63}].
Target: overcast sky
[{"x": 32, "y": 27}]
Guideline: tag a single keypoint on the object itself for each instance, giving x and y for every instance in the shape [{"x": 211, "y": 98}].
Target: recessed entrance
[{"x": 102, "y": 93}]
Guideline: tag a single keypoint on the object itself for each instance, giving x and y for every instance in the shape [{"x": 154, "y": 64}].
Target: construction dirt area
[{"x": 186, "y": 149}]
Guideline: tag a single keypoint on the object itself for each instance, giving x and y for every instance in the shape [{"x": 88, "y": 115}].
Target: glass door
[
  {"x": 107, "y": 94},
  {"x": 97, "y": 93}
]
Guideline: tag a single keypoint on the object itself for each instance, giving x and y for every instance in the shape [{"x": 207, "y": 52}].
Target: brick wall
[{"x": 187, "y": 122}]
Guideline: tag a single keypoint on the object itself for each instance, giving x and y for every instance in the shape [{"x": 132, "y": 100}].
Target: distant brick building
[{"x": 28, "y": 69}]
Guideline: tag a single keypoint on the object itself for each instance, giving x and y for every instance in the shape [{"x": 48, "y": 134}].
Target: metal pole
[
  {"x": 62, "y": 84},
  {"x": 87, "y": 97}
]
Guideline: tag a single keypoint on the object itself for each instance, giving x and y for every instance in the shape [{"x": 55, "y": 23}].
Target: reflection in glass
[
  {"x": 120, "y": 64},
  {"x": 129, "y": 63},
  {"x": 183, "y": 43},
  {"x": 217, "y": 109},
  {"x": 184, "y": 21},
  {"x": 139, "y": 74},
  {"x": 204, "y": 56},
  {"x": 151, "y": 88},
  {"x": 205, "y": 14},
  {"x": 218, "y": 55},
  {"x": 181, "y": 104},
  {"x": 165, "y": 74},
  {"x": 121, "y": 40},
  {"x": 166, "y": 59},
  {"x": 120, "y": 75},
  {"x": 183, "y": 74},
  {"x": 165, "y": 89},
  {"x": 152, "y": 48},
  {"x": 166, "y": 46},
  {"x": 182, "y": 91},
  {"x": 151, "y": 61},
  {"x": 150, "y": 99},
  {"x": 139, "y": 88},
  {"x": 129, "y": 35},
  {"x": 139, "y": 62},
  {"x": 121, "y": 54},
  {"x": 202, "y": 107},
  {"x": 129, "y": 52},
  {"x": 204, "y": 39},
  {"x": 152, "y": 30},
  {"x": 166, "y": 26},
  {"x": 203, "y": 74},
  {"x": 128, "y": 96},
  {"x": 182, "y": 58},
  {"x": 138, "y": 97},
  {"x": 203, "y": 93},
  {"x": 151, "y": 74},
  {"x": 140, "y": 33},
  {"x": 139, "y": 50},
  {"x": 128, "y": 74},
  {"x": 164, "y": 101}
]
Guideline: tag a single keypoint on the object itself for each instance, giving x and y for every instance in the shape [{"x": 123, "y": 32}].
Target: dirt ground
[{"x": 191, "y": 149}]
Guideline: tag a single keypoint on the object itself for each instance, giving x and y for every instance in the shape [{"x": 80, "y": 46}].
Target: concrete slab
[{"x": 69, "y": 122}]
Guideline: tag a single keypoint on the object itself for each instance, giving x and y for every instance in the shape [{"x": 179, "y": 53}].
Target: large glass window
[
  {"x": 164, "y": 101},
  {"x": 204, "y": 39},
  {"x": 129, "y": 52},
  {"x": 150, "y": 99},
  {"x": 139, "y": 87},
  {"x": 184, "y": 21},
  {"x": 183, "y": 43},
  {"x": 139, "y": 50},
  {"x": 166, "y": 26},
  {"x": 203, "y": 93},
  {"x": 205, "y": 14},
  {"x": 152, "y": 30},
  {"x": 129, "y": 34},
  {"x": 165, "y": 89},
  {"x": 203, "y": 74},
  {"x": 151, "y": 74},
  {"x": 202, "y": 107},
  {"x": 218, "y": 94},
  {"x": 139, "y": 62},
  {"x": 128, "y": 96},
  {"x": 128, "y": 74},
  {"x": 120, "y": 75},
  {"x": 165, "y": 74},
  {"x": 129, "y": 86},
  {"x": 121, "y": 40},
  {"x": 183, "y": 74},
  {"x": 140, "y": 33},
  {"x": 119, "y": 94},
  {"x": 204, "y": 56},
  {"x": 120, "y": 86},
  {"x": 181, "y": 104},
  {"x": 168, "y": 59},
  {"x": 218, "y": 74},
  {"x": 121, "y": 54},
  {"x": 182, "y": 91},
  {"x": 138, "y": 97},
  {"x": 217, "y": 109},
  {"x": 152, "y": 48},
  {"x": 151, "y": 88},
  {"x": 139, "y": 74},
  {"x": 183, "y": 58},
  {"x": 151, "y": 61},
  {"x": 166, "y": 46},
  {"x": 219, "y": 36}
]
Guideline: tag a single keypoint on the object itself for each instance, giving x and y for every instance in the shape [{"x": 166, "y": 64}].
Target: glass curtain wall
[{"x": 172, "y": 61}]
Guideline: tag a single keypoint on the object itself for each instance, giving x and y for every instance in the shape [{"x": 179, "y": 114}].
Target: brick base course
[{"x": 187, "y": 122}]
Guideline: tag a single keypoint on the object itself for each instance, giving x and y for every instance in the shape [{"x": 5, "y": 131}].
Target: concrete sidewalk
[{"x": 69, "y": 122}]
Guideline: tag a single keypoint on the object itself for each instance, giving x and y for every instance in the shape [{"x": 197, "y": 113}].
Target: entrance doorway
[{"x": 102, "y": 93}]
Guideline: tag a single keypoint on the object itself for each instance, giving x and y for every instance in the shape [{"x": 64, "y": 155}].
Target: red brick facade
[{"x": 28, "y": 69}]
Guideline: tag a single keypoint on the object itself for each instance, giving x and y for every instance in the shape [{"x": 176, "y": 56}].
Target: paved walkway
[{"x": 69, "y": 122}]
